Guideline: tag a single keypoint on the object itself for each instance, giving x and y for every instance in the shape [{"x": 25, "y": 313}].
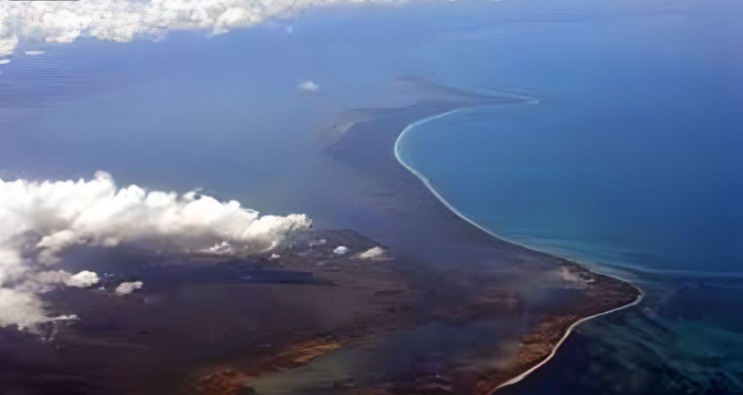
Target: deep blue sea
[{"x": 631, "y": 158}]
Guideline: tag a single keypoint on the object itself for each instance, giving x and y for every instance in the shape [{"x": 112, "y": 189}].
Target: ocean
[{"x": 628, "y": 158}]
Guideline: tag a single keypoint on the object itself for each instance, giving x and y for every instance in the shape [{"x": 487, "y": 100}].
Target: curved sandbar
[
  {"x": 534, "y": 368},
  {"x": 439, "y": 196}
]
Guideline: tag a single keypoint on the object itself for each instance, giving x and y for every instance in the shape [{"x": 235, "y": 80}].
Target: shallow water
[
  {"x": 632, "y": 149},
  {"x": 631, "y": 159},
  {"x": 636, "y": 163}
]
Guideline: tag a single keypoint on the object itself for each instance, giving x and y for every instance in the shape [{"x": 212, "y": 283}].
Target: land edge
[
  {"x": 307, "y": 350},
  {"x": 568, "y": 332},
  {"x": 427, "y": 183}
]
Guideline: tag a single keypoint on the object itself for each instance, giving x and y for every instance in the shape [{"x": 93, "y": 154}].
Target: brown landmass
[
  {"x": 595, "y": 294},
  {"x": 458, "y": 274},
  {"x": 204, "y": 326},
  {"x": 441, "y": 270}
]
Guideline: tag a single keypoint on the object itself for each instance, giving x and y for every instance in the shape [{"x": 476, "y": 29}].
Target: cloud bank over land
[
  {"x": 373, "y": 254},
  {"x": 40, "y": 220},
  {"x": 126, "y": 20},
  {"x": 128, "y": 287}
]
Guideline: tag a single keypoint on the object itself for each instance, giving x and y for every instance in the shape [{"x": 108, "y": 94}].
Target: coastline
[
  {"x": 565, "y": 336},
  {"x": 429, "y": 185},
  {"x": 471, "y": 292},
  {"x": 452, "y": 274}
]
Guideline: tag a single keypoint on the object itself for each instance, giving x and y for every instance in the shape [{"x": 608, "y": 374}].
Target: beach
[
  {"x": 418, "y": 300},
  {"x": 610, "y": 294},
  {"x": 508, "y": 198},
  {"x": 466, "y": 275}
]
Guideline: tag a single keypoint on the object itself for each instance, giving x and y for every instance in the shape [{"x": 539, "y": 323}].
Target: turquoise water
[
  {"x": 659, "y": 190},
  {"x": 631, "y": 158}
]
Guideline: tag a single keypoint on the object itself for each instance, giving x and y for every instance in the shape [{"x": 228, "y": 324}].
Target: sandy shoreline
[
  {"x": 481, "y": 312},
  {"x": 539, "y": 344},
  {"x": 488, "y": 297},
  {"x": 449, "y": 206},
  {"x": 534, "y": 368}
]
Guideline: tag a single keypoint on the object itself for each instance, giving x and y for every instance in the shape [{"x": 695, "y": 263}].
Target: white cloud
[
  {"x": 84, "y": 279},
  {"x": 373, "y": 254},
  {"x": 45, "y": 281},
  {"x": 320, "y": 242},
  {"x": 4, "y": 61},
  {"x": 34, "y": 53},
  {"x": 340, "y": 250},
  {"x": 19, "y": 308},
  {"x": 128, "y": 287},
  {"x": 40, "y": 220},
  {"x": 8, "y": 41},
  {"x": 576, "y": 278},
  {"x": 309, "y": 86},
  {"x": 125, "y": 20}
]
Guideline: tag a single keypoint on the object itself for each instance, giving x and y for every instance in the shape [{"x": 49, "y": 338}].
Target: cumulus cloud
[
  {"x": 19, "y": 308},
  {"x": 84, "y": 279},
  {"x": 40, "y": 220},
  {"x": 128, "y": 287},
  {"x": 8, "y": 41},
  {"x": 373, "y": 254},
  {"x": 309, "y": 86},
  {"x": 4, "y": 61},
  {"x": 44, "y": 281},
  {"x": 125, "y": 20}
]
